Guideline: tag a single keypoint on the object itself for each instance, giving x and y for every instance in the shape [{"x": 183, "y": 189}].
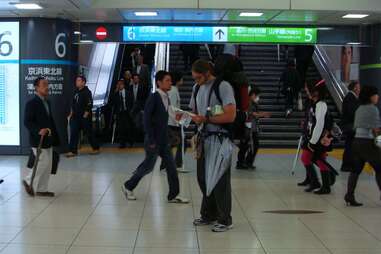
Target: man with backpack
[{"x": 214, "y": 115}]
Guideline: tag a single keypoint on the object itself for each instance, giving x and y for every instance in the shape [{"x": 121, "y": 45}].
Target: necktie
[{"x": 121, "y": 101}]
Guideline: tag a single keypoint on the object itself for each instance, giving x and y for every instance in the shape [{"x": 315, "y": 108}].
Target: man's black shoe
[{"x": 241, "y": 166}]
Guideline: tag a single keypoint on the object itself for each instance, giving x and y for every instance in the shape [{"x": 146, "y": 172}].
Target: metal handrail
[
  {"x": 336, "y": 87},
  {"x": 161, "y": 61},
  {"x": 208, "y": 51}
]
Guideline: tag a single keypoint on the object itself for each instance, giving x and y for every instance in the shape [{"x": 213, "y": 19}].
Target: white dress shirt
[
  {"x": 135, "y": 88},
  {"x": 174, "y": 98},
  {"x": 167, "y": 104},
  {"x": 123, "y": 94}
]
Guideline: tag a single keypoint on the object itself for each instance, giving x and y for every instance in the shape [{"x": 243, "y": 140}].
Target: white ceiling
[{"x": 203, "y": 11}]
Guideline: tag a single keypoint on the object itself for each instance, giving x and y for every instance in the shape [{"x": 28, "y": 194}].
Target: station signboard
[
  {"x": 9, "y": 84},
  {"x": 220, "y": 34}
]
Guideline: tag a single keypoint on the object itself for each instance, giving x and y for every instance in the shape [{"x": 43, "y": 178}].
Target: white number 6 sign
[{"x": 60, "y": 46}]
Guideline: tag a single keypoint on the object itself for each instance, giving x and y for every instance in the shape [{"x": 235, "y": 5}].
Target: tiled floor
[{"x": 91, "y": 215}]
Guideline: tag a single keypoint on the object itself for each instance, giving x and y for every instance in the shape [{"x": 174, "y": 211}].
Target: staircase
[{"x": 263, "y": 70}]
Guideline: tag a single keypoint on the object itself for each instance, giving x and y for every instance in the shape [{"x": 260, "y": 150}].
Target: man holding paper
[
  {"x": 156, "y": 141},
  {"x": 215, "y": 114}
]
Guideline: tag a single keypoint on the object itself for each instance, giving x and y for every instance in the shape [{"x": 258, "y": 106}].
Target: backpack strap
[
  {"x": 216, "y": 89},
  {"x": 197, "y": 88}
]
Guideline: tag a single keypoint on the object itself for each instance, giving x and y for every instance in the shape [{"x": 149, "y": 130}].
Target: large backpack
[{"x": 229, "y": 68}]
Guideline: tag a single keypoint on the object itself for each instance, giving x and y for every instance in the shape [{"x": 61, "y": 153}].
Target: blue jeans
[{"x": 147, "y": 166}]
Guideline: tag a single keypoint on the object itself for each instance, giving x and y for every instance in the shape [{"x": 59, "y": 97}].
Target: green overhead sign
[
  {"x": 223, "y": 34},
  {"x": 272, "y": 34}
]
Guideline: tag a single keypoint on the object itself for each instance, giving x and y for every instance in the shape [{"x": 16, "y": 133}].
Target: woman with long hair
[{"x": 367, "y": 127}]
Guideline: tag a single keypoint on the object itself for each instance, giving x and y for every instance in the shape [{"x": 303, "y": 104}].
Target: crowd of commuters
[{"x": 159, "y": 114}]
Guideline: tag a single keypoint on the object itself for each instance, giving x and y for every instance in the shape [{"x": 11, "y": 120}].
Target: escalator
[{"x": 107, "y": 63}]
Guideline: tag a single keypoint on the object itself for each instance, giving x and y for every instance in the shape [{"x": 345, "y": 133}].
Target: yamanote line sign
[{"x": 234, "y": 34}]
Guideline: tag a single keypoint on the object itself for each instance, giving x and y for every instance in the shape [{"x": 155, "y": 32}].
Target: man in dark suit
[
  {"x": 350, "y": 105},
  {"x": 122, "y": 107},
  {"x": 137, "y": 99},
  {"x": 156, "y": 143},
  {"x": 143, "y": 71},
  {"x": 40, "y": 123}
]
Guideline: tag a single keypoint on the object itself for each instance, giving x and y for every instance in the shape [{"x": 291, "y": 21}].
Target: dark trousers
[
  {"x": 76, "y": 126},
  {"x": 364, "y": 150},
  {"x": 148, "y": 165},
  {"x": 348, "y": 152},
  {"x": 289, "y": 98},
  {"x": 124, "y": 127},
  {"x": 248, "y": 147},
  {"x": 218, "y": 205},
  {"x": 175, "y": 133}
]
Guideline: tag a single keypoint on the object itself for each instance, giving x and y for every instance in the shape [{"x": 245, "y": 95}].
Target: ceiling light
[
  {"x": 146, "y": 13},
  {"x": 86, "y": 41},
  {"x": 354, "y": 43},
  {"x": 250, "y": 14},
  {"x": 27, "y": 6},
  {"x": 77, "y": 32},
  {"x": 325, "y": 28},
  {"x": 355, "y": 16}
]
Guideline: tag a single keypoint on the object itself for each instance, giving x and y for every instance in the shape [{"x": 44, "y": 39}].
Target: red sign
[{"x": 101, "y": 33}]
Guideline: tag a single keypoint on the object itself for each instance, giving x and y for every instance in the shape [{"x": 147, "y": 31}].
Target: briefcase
[{"x": 56, "y": 160}]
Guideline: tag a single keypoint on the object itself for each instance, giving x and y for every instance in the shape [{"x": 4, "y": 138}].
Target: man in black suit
[
  {"x": 40, "y": 123},
  {"x": 143, "y": 71},
  {"x": 156, "y": 143},
  {"x": 138, "y": 99},
  {"x": 122, "y": 107},
  {"x": 350, "y": 105}
]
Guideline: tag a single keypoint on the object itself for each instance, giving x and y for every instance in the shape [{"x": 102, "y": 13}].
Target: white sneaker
[
  {"x": 179, "y": 200},
  {"x": 288, "y": 113},
  {"x": 129, "y": 194},
  {"x": 219, "y": 228}
]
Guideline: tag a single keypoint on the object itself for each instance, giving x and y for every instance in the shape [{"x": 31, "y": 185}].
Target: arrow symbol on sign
[{"x": 220, "y": 33}]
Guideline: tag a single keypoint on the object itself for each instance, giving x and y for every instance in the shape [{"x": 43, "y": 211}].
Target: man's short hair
[
  {"x": 202, "y": 66},
  {"x": 37, "y": 81},
  {"x": 352, "y": 85},
  {"x": 160, "y": 75},
  {"x": 83, "y": 78},
  {"x": 135, "y": 75},
  {"x": 366, "y": 94}
]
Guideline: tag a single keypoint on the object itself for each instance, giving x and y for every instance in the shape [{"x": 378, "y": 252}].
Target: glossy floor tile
[{"x": 91, "y": 215}]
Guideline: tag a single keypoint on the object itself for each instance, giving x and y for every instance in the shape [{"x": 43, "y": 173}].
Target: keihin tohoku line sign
[{"x": 223, "y": 34}]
